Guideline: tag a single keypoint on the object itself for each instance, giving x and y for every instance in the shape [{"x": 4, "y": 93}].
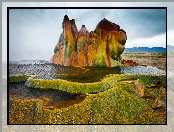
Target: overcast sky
[{"x": 33, "y": 33}]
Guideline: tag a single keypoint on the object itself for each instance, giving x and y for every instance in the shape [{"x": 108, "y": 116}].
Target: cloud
[
  {"x": 155, "y": 41},
  {"x": 33, "y": 33},
  {"x": 40, "y": 29}
]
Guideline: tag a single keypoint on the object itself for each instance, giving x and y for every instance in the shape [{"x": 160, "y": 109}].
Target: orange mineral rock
[{"x": 101, "y": 47}]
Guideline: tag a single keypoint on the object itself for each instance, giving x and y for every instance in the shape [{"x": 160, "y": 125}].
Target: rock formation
[
  {"x": 129, "y": 63},
  {"x": 101, "y": 47}
]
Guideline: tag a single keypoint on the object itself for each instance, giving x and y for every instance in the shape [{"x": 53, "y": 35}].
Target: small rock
[{"x": 139, "y": 88}]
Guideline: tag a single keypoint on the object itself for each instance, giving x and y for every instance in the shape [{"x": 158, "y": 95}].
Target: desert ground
[{"x": 157, "y": 60}]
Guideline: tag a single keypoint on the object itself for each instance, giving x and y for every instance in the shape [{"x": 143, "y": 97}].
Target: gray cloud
[
  {"x": 149, "y": 22},
  {"x": 137, "y": 22},
  {"x": 143, "y": 23},
  {"x": 37, "y": 31}
]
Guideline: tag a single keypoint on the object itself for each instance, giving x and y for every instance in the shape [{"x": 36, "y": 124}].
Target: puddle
[
  {"x": 55, "y": 99},
  {"x": 78, "y": 74},
  {"x": 51, "y": 98}
]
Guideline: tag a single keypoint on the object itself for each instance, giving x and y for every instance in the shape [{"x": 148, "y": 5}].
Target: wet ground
[
  {"x": 77, "y": 74},
  {"x": 56, "y": 98},
  {"x": 45, "y": 70}
]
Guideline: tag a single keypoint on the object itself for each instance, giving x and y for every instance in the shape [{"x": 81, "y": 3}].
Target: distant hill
[{"x": 145, "y": 49}]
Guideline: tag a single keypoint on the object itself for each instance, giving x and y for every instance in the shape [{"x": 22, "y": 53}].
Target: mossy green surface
[
  {"x": 84, "y": 88},
  {"x": 118, "y": 105},
  {"x": 19, "y": 78},
  {"x": 75, "y": 87},
  {"x": 151, "y": 80},
  {"x": 99, "y": 61},
  {"x": 22, "y": 111},
  {"x": 113, "y": 100},
  {"x": 80, "y": 45},
  {"x": 31, "y": 111},
  {"x": 66, "y": 53}
]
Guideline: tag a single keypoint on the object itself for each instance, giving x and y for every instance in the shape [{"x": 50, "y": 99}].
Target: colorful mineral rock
[{"x": 101, "y": 47}]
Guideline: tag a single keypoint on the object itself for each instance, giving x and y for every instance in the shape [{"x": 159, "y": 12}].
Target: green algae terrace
[
  {"x": 112, "y": 100},
  {"x": 84, "y": 88}
]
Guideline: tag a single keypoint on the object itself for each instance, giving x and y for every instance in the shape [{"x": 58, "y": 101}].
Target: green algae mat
[{"x": 115, "y": 99}]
